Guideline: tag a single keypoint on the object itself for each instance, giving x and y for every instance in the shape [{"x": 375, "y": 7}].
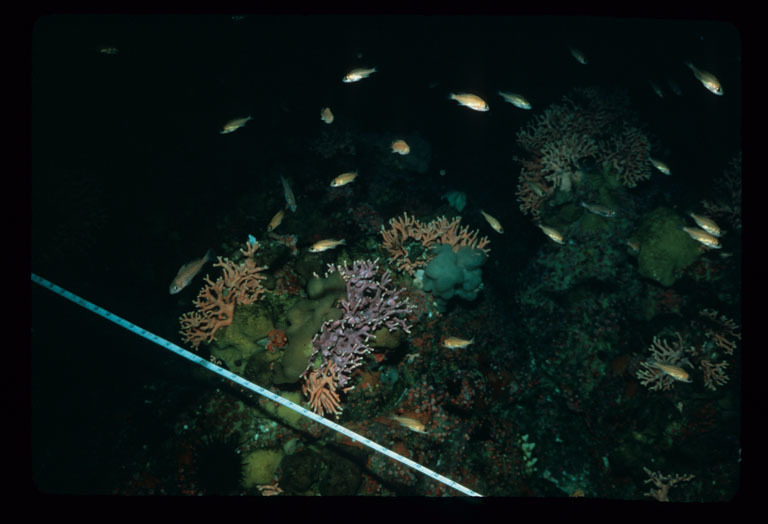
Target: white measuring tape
[{"x": 246, "y": 384}]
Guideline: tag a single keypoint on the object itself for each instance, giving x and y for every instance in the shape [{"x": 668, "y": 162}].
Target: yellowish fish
[
  {"x": 456, "y": 342},
  {"x": 495, "y": 224},
  {"x": 326, "y": 115},
  {"x": 276, "y": 220},
  {"x": 400, "y": 147},
  {"x": 699, "y": 235},
  {"x": 325, "y": 245},
  {"x": 552, "y": 233},
  {"x": 469, "y": 100},
  {"x": 599, "y": 210},
  {"x": 516, "y": 100},
  {"x": 706, "y": 223},
  {"x": 344, "y": 179},
  {"x": 578, "y": 55},
  {"x": 234, "y": 125},
  {"x": 187, "y": 272},
  {"x": 708, "y": 80},
  {"x": 675, "y": 372},
  {"x": 410, "y": 423},
  {"x": 358, "y": 74},
  {"x": 634, "y": 246},
  {"x": 661, "y": 166}
]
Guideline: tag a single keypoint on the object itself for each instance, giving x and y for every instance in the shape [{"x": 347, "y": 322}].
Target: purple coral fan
[{"x": 369, "y": 305}]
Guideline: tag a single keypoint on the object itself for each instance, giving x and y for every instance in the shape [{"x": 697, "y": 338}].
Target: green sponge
[{"x": 450, "y": 274}]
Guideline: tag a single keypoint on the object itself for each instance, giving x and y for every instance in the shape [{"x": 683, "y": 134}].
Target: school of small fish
[{"x": 706, "y": 232}]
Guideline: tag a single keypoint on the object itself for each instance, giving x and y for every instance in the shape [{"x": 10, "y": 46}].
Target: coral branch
[
  {"x": 438, "y": 231},
  {"x": 238, "y": 284}
]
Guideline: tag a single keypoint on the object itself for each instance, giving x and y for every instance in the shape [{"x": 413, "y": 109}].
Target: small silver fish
[
  {"x": 493, "y": 222},
  {"x": 410, "y": 423},
  {"x": 187, "y": 272},
  {"x": 400, "y": 147},
  {"x": 358, "y": 74},
  {"x": 656, "y": 89},
  {"x": 326, "y": 115},
  {"x": 537, "y": 188},
  {"x": 675, "y": 372},
  {"x": 599, "y": 210},
  {"x": 456, "y": 342},
  {"x": 234, "y": 125},
  {"x": 552, "y": 233},
  {"x": 661, "y": 166},
  {"x": 469, "y": 100},
  {"x": 290, "y": 200},
  {"x": 516, "y": 100},
  {"x": 276, "y": 220},
  {"x": 699, "y": 235},
  {"x": 706, "y": 223},
  {"x": 578, "y": 55},
  {"x": 344, "y": 179},
  {"x": 325, "y": 245},
  {"x": 708, "y": 80}
]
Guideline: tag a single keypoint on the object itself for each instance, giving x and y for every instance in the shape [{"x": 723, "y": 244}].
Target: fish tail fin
[
  {"x": 209, "y": 255},
  {"x": 688, "y": 63},
  {"x": 343, "y": 242}
]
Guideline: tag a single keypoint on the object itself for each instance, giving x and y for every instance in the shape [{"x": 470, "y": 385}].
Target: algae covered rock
[
  {"x": 665, "y": 250},
  {"x": 306, "y": 317},
  {"x": 236, "y": 343},
  {"x": 260, "y": 467}
]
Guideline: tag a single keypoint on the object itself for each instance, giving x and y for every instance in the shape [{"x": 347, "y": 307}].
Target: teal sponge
[{"x": 450, "y": 274}]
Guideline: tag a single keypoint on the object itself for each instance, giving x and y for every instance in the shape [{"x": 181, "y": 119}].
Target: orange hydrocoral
[
  {"x": 239, "y": 284},
  {"x": 320, "y": 386},
  {"x": 214, "y": 311},
  {"x": 725, "y": 328},
  {"x": 714, "y": 374},
  {"x": 532, "y": 190},
  {"x": 438, "y": 231},
  {"x": 663, "y": 483}
]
